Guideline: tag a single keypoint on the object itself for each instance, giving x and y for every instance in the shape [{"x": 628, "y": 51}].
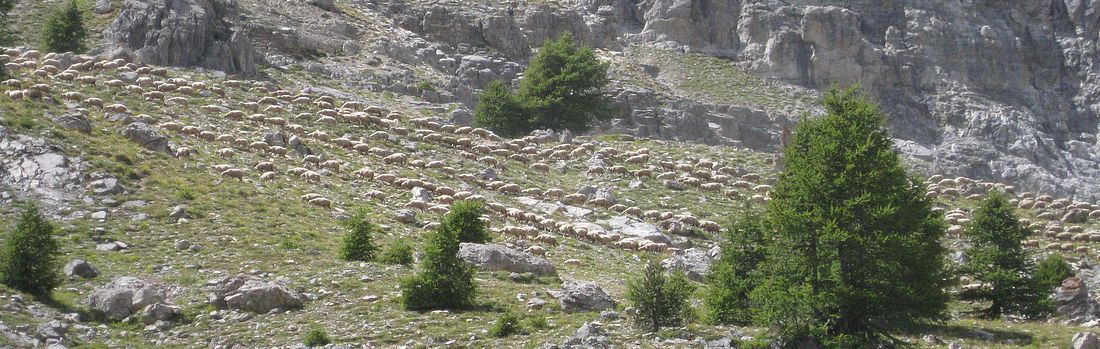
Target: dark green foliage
[
  {"x": 444, "y": 281},
  {"x": 399, "y": 252},
  {"x": 28, "y": 261},
  {"x": 538, "y": 322},
  {"x": 464, "y": 219},
  {"x": 499, "y": 109},
  {"x": 561, "y": 90},
  {"x": 316, "y": 337},
  {"x": 998, "y": 258},
  {"x": 7, "y": 36},
  {"x": 733, "y": 275},
  {"x": 64, "y": 29},
  {"x": 358, "y": 243},
  {"x": 1052, "y": 271},
  {"x": 506, "y": 325},
  {"x": 661, "y": 300},
  {"x": 854, "y": 250}
]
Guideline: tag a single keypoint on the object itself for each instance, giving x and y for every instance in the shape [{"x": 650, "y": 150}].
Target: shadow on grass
[{"x": 977, "y": 333}]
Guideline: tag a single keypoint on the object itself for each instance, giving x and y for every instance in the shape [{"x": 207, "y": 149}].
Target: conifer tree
[
  {"x": 444, "y": 281},
  {"x": 28, "y": 261},
  {"x": 733, "y": 274},
  {"x": 997, "y": 258},
  {"x": 64, "y": 29}
]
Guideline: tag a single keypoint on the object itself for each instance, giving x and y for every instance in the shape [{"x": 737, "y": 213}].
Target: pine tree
[
  {"x": 358, "y": 244},
  {"x": 562, "y": 89},
  {"x": 64, "y": 29},
  {"x": 465, "y": 220},
  {"x": 733, "y": 275},
  {"x": 997, "y": 258},
  {"x": 7, "y": 36},
  {"x": 444, "y": 280},
  {"x": 661, "y": 300},
  {"x": 855, "y": 252},
  {"x": 1052, "y": 271},
  {"x": 28, "y": 261}
]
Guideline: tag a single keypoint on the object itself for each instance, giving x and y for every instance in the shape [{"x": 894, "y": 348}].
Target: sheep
[
  {"x": 171, "y": 126},
  {"x": 234, "y": 173},
  {"x": 385, "y": 177},
  {"x": 321, "y": 202},
  {"x": 332, "y": 165},
  {"x": 258, "y": 145},
  {"x": 488, "y": 160},
  {"x": 16, "y": 95},
  {"x": 265, "y": 166},
  {"x": 226, "y": 153},
  {"x": 268, "y": 176},
  {"x": 395, "y": 158},
  {"x": 536, "y": 250},
  {"x": 183, "y": 152},
  {"x": 311, "y": 176}
]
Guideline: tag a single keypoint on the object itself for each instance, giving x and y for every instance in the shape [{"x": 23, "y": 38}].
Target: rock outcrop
[
  {"x": 124, "y": 296},
  {"x": 202, "y": 33},
  {"x": 582, "y": 296},
  {"x": 497, "y": 257},
  {"x": 250, "y": 293}
]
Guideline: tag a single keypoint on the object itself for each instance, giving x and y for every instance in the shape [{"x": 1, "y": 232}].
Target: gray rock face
[
  {"x": 1072, "y": 301},
  {"x": 582, "y": 296},
  {"x": 247, "y": 292},
  {"x": 106, "y": 186},
  {"x": 590, "y": 335},
  {"x": 693, "y": 262},
  {"x": 52, "y": 331},
  {"x": 74, "y": 120},
  {"x": 80, "y": 268},
  {"x": 1085, "y": 340},
  {"x": 631, "y": 227},
  {"x": 203, "y": 33},
  {"x": 147, "y": 136},
  {"x": 497, "y": 257},
  {"x": 36, "y": 168},
  {"x": 124, "y": 296}
]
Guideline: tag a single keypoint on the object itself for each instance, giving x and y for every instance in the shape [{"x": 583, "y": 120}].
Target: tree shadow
[{"x": 978, "y": 333}]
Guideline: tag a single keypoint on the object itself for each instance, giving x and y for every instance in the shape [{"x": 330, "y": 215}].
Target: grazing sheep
[
  {"x": 268, "y": 176},
  {"x": 265, "y": 166},
  {"x": 321, "y": 202},
  {"x": 183, "y": 152},
  {"x": 395, "y": 158},
  {"x": 234, "y": 173},
  {"x": 226, "y": 153},
  {"x": 536, "y": 250},
  {"x": 332, "y": 165},
  {"x": 258, "y": 145},
  {"x": 311, "y": 176}
]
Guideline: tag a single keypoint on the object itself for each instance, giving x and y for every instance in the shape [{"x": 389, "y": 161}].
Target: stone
[
  {"x": 159, "y": 312},
  {"x": 576, "y": 296},
  {"x": 609, "y": 315},
  {"x": 250, "y": 293},
  {"x": 591, "y": 335},
  {"x": 183, "y": 245},
  {"x": 179, "y": 212},
  {"x": 326, "y": 5},
  {"x": 1071, "y": 301},
  {"x": 106, "y": 186},
  {"x": 207, "y": 34},
  {"x": 632, "y": 227},
  {"x": 421, "y": 194},
  {"x": 74, "y": 120},
  {"x": 299, "y": 146},
  {"x": 498, "y": 257},
  {"x": 123, "y": 296},
  {"x": 674, "y": 185},
  {"x": 52, "y": 330},
  {"x": 693, "y": 262},
  {"x": 1076, "y": 216},
  {"x": 405, "y": 216},
  {"x": 114, "y": 246},
  {"x": 275, "y": 139},
  {"x": 80, "y": 268},
  {"x": 147, "y": 137},
  {"x": 606, "y": 193},
  {"x": 1085, "y": 340},
  {"x": 461, "y": 117},
  {"x": 103, "y": 7},
  {"x": 488, "y": 174}
]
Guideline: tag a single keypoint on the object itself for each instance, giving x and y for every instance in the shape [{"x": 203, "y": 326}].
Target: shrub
[
  {"x": 661, "y": 300},
  {"x": 426, "y": 86},
  {"x": 538, "y": 322},
  {"x": 561, "y": 90},
  {"x": 7, "y": 36},
  {"x": 853, "y": 253},
  {"x": 1052, "y": 271},
  {"x": 444, "y": 281},
  {"x": 28, "y": 261},
  {"x": 64, "y": 29},
  {"x": 316, "y": 337},
  {"x": 358, "y": 243},
  {"x": 399, "y": 252},
  {"x": 506, "y": 325},
  {"x": 998, "y": 258},
  {"x": 733, "y": 275},
  {"x": 464, "y": 219}
]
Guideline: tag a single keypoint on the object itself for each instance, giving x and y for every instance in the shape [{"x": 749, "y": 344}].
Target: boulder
[
  {"x": 80, "y": 268},
  {"x": 103, "y": 7},
  {"x": 405, "y": 216},
  {"x": 74, "y": 120},
  {"x": 577, "y": 296},
  {"x": 631, "y": 227},
  {"x": 421, "y": 194},
  {"x": 1072, "y": 301},
  {"x": 693, "y": 262},
  {"x": 591, "y": 335},
  {"x": 299, "y": 146},
  {"x": 124, "y": 296},
  {"x": 497, "y": 257},
  {"x": 1085, "y": 340},
  {"x": 147, "y": 136},
  {"x": 106, "y": 186},
  {"x": 203, "y": 33},
  {"x": 52, "y": 331},
  {"x": 159, "y": 312},
  {"x": 250, "y": 293}
]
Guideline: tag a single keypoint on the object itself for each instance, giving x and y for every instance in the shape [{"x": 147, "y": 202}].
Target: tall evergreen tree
[
  {"x": 855, "y": 253},
  {"x": 444, "y": 280},
  {"x": 562, "y": 89},
  {"x": 661, "y": 300},
  {"x": 358, "y": 244},
  {"x": 7, "y": 37},
  {"x": 464, "y": 220},
  {"x": 997, "y": 258},
  {"x": 28, "y": 261},
  {"x": 64, "y": 29},
  {"x": 733, "y": 275}
]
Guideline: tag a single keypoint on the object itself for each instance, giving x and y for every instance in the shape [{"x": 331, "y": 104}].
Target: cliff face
[{"x": 1002, "y": 90}]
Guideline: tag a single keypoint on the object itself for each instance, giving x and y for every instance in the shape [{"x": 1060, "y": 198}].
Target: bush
[
  {"x": 661, "y": 301},
  {"x": 506, "y": 325},
  {"x": 733, "y": 275},
  {"x": 538, "y": 322},
  {"x": 28, "y": 261},
  {"x": 1051, "y": 272},
  {"x": 358, "y": 243},
  {"x": 7, "y": 36},
  {"x": 399, "y": 252},
  {"x": 316, "y": 337},
  {"x": 444, "y": 281},
  {"x": 853, "y": 253},
  {"x": 464, "y": 219},
  {"x": 998, "y": 258},
  {"x": 64, "y": 29},
  {"x": 561, "y": 90}
]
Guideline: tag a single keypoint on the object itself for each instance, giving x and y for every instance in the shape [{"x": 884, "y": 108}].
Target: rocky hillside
[{"x": 201, "y": 157}]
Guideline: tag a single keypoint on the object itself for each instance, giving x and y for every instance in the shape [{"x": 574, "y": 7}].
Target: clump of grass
[
  {"x": 507, "y": 324},
  {"x": 399, "y": 252},
  {"x": 316, "y": 337},
  {"x": 538, "y": 322}
]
